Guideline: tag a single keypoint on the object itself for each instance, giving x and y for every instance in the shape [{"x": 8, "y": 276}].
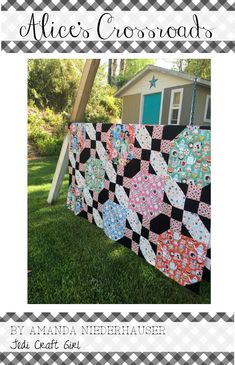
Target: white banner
[
  {"x": 118, "y": 26},
  {"x": 116, "y": 336}
]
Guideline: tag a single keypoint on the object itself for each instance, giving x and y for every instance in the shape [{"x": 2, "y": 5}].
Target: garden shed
[{"x": 157, "y": 95}]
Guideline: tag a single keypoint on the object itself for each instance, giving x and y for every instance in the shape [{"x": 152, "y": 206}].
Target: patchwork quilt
[{"x": 147, "y": 187}]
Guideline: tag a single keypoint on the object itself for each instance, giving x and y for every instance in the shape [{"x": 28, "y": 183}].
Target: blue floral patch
[
  {"x": 114, "y": 219},
  {"x": 76, "y": 141},
  {"x": 74, "y": 199},
  {"x": 120, "y": 145}
]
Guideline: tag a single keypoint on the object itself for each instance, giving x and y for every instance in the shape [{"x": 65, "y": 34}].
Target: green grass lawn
[{"x": 73, "y": 261}]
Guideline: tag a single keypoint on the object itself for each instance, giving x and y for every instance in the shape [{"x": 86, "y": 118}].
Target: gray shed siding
[
  {"x": 186, "y": 104},
  {"x": 201, "y": 105},
  {"x": 185, "y": 115},
  {"x": 131, "y": 108}
]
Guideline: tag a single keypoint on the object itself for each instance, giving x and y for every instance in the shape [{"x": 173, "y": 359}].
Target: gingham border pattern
[
  {"x": 119, "y": 316},
  {"x": 118, "y": 47},
  {"x": 127, "y": 5},
  {"x": 118, "y": 358}
]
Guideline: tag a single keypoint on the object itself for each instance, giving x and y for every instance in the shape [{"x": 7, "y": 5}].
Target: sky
[
  {"x": 166, "y": 63},
  {"x": 161, "y": 62}
]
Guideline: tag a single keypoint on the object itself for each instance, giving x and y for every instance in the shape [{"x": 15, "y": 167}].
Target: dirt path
[{"x": 32, "y": 152}]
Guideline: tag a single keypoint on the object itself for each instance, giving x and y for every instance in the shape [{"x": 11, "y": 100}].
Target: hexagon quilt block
[
  {"x": 74, "y": 198},
  {"x": 76, "y": 140},
  {"x": 146, "y": 194},
  {"x": 180, "y": 257},
  {"x": 190, "y": 157},
  {"x": 148, "y": 188},
  {"x": 120, "y": 143},
  {"x": 114, "y": 220},
  {"x": 94, "y": 174}
]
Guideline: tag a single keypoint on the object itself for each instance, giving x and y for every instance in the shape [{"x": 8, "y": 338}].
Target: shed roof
[{"x": 148, "y": 68}]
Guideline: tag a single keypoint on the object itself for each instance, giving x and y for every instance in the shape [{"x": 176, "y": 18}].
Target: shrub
[
  {"x": 103, "y": 106},
  {"x": 48, "y": 145},
  {"x": 46, "y": 130},
  {"x": 51, "y": 89},
  {"x": 53, "y": 82}
]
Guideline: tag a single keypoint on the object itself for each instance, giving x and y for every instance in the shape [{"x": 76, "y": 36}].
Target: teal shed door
[{"x": 151, "y": 110}]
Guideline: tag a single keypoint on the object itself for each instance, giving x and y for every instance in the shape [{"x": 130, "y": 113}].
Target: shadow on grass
[
  {"x": 73, "y": 261},
  {"x": 40, "y": 171}
]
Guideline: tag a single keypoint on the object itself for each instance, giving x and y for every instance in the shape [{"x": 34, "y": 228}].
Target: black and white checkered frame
[
  {"x": 117, "y": 358},
  {"x": 121, "y": 317},
  {"x": 129, "y": 5},
  {"x": 118, "y": 47},
  {"x": 15, "y": 46}
]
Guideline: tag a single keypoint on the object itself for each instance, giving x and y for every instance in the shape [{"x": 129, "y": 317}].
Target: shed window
[
  {"x": 207, "y": 115},
  {"x": 175, "y": 106}
]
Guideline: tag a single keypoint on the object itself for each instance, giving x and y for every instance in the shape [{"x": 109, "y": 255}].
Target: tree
[
  {"x": 130, "y": 67},
  {"x": 122, "y": 65},
  {"x": 196, "y": 67},
  {"x": 199, "y": 67},
  {"x": 112, "y": 71},
  {"x": 102, "y": 105},
  {"x": 52, "y": 83}
]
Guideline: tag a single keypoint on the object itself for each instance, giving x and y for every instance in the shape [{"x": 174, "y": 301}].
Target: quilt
[{"x": 147, "y": 187}]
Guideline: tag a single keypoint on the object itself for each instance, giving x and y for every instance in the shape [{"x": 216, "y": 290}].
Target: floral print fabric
[
  {"x": 74, "y": 198},
  {"x": 120, "y": 144},
  {"x": 146, "y": 194},
  {"x": 190, "y": 160},
  {"x": 76, "y": 140},
  {"x": 94, "y": 174},
  {"x": 114, "y": 217},
  {"x": 180, "y": 257},
  {"x": 147, "y": 187}
]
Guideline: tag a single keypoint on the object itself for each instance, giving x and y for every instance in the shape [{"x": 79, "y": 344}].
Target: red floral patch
[{"x": 181, "y": 258}]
